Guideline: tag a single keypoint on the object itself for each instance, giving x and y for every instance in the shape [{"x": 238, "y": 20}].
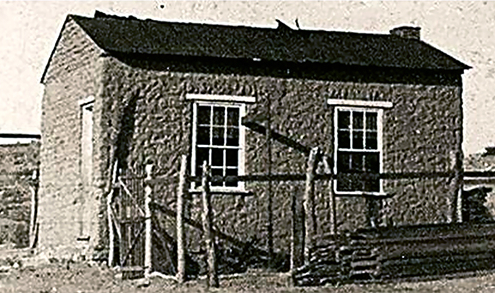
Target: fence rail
[{"x": 362, "y": 176}]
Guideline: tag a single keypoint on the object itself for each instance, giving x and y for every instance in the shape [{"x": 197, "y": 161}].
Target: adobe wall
[
  {"x": 72, "y": 76},
  {"x": 425, "y": 135},
  {"x": 423, "y": 117}
]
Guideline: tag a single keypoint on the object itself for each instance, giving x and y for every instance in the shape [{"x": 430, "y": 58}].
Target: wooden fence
[{"x": 367, "y": 254}]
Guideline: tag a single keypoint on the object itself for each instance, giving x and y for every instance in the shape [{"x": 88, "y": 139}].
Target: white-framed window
[
  {"x": 358, "y": 148},
  {"x": 219, "y": 138}
]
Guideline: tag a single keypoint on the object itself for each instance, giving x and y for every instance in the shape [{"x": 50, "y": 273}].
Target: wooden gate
[{"x": 129, "y": 220}]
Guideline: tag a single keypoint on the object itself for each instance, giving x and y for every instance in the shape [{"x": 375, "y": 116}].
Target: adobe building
[{"x": 132, "y": 91}]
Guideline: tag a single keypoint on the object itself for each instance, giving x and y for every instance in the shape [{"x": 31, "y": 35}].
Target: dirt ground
[{"x": 72, "y": 277}]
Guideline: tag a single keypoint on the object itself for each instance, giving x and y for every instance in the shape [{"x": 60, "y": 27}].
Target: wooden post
[
  {"x": 34, "y": 210},
  {"x": 458, "y": 182},
  {"x": 212, "y": 278},
  {"x": 111, "y": 234},
  {"x": 309, "y": 223},
  {"x": 148, "y": 194},
  {"x": 181, "y": 258},
  {"x": 332, "y": 219}
]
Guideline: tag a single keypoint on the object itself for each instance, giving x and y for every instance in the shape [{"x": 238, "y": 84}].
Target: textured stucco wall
[
  {"x": 72, "y": 76},
  {"x": 419, "y": 135},
  {"x": 425, "y": 135}
]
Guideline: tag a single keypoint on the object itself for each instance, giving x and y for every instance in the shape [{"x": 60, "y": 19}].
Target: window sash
[
  {"x": 368, "y": 150},
  {"x": 225, "y": 168}
]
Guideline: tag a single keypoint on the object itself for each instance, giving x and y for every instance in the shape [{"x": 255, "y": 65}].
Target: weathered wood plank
[
  {"x": 110, "y": 217},
  {"x": 148, "y": 195},
  {"x": 181, "y": 194},
  {"x": 308, "y": 203}
]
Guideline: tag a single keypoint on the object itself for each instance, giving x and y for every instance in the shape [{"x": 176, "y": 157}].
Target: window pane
[
  {"x": 347, "y": 163},
  {"x": 216, "y": 175},
  {"x": 372, "y": 163},
  {"x": 357, "y": 162},
  {"x": 218, "y": 136},
  {"x": 204, "y": 115},
  {"x": 371, "y": 121},
  {"x": 357, "y": 120},
  {"x": 232, "y": 158},
  {"x": 232, "y": 136},
  {"x": 202, "y": 155},
  {"x": 344, "y": 118},
  {"x": 219, "y": 116},
  {"x": 233, "y": 116},
  {"x": 348, "y": 182},
  {"x": 344, "y": 141},
  {"x": 203, "y": 136},
  {"x": 357, "y": 140},
  {"x": 217, "y": 157},
  {"x": 231, "y": 182},
  {"x": 344, "y": 185},
  {"x": 371, "y": 141},
  {"x": 343, "y": 162}
]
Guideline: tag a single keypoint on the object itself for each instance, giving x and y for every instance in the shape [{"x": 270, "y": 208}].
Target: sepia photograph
[{"x": 247, "y": 146}]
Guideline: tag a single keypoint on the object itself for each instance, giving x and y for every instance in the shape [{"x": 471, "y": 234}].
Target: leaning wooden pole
[
  {"x": 148, "y": 196},
  {"x": 111, "y": 233},
  {"x": 34, "y": 210},
  {"x": 181, "y": 255},
  {"x": 309, "y": 225},
  {"x": 212, "y": 278}
]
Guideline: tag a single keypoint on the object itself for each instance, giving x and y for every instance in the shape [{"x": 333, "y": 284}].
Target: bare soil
[{"x": 81, "y": 277}]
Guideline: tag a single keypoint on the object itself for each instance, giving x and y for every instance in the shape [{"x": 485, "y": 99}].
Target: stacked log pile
[
  {"x": 399, "y": 253},
  {"x": 437, "y": 250},
  {"x": 323, "y": 266},
  {"x": 360, "y": 261}
]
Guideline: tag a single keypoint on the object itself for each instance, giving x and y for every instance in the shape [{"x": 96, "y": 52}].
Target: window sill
[
  {"x": 362, "y": 194},
  {"x": 223, "y": 191}
]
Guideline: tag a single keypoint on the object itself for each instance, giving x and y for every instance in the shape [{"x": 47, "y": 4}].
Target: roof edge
[
  {"x": 460, "y": 63},
  {"x": 457, "y": 65},
  {"x": 45, "y": 71}
]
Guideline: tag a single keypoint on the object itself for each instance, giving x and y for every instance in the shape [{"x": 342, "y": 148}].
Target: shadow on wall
[
  {"x": 124, "y": 137},
  {"x": 474, "y": 208},
  {"x": 121, "y": 151}
]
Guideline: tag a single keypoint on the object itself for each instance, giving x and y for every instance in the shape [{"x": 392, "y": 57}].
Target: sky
[{"x": 464, "y": 30}]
